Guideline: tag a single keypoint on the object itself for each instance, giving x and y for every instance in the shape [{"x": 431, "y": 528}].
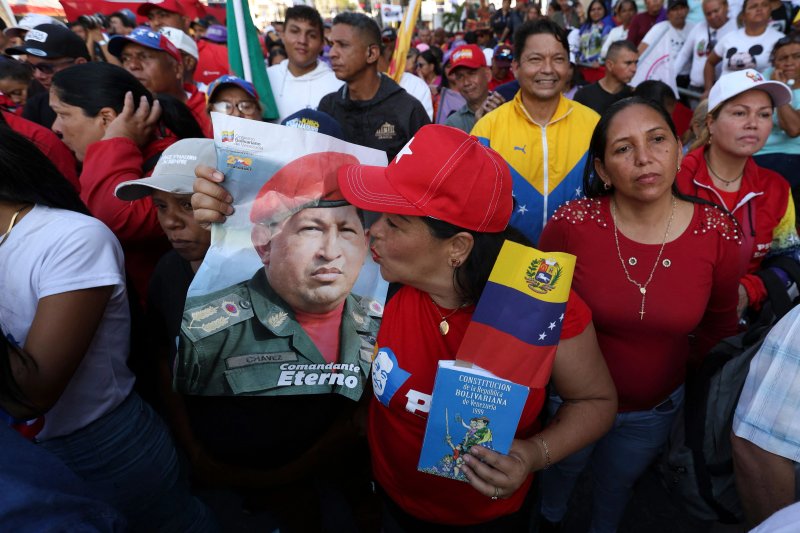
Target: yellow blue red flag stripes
[
  {"x": 516, "y": 326},
  {"x": 398, "y": 64},
  {"x": 245, "y": 56}
]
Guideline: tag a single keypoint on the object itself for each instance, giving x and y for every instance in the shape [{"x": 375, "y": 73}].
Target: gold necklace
[
  {"x": 11, "y": 225},
  {"x": 642, "y": 288},
  {"x": 723, "y": 180},
  {"x": 444, "y": 327}
]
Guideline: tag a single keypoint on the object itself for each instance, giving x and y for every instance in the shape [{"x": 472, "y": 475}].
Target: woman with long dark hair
[
  {"x": 654, "y": 268},
  {"x": 65, "y": 308},
  {"x": 118, "y": 130}
]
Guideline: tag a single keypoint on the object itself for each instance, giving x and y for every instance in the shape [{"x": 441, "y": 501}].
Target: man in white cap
[{"x": 190, "y": 54}]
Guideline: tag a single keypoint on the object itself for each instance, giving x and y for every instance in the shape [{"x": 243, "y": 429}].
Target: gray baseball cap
[{"x": 174, "y": 172}]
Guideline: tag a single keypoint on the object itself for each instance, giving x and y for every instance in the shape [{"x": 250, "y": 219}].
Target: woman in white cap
[
  {"x": 446, "y": 203},
  {"x": 723, "y": 171}
]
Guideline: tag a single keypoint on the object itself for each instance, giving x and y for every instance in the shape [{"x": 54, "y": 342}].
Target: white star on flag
[
  {"x": 522, "y": 209},
  {"x": 552, "y": 325},
  {"x": 542, "y": 336},
  {"x": 405, "y": 151},
  {"x": 561, "y": 318}
]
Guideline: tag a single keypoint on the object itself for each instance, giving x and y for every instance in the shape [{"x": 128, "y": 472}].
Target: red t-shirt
[
  {"x": 213, "y": 61},
  {"x": 324, "y": 329},
  {"x": 693, "y": 289},
  {"x": 410, "y": 331}
]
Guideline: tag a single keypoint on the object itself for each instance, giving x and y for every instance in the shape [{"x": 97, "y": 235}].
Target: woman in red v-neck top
[{"x": 653, "y": 268}]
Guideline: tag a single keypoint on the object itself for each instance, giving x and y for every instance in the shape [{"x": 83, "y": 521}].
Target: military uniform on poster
[{"x": 245, "y": 340}]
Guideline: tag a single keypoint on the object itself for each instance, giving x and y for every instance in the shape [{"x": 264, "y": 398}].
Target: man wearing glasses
[{"x": 48, "y": 48}]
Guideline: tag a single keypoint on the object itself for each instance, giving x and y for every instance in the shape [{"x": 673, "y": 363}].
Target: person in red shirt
[
  {"x": 114, "y": 126},
  {"x": 442, "y": 254},
  {"x": 723, "y": 171},
  {"x": 45, "y": 140},
  {"x": 642, "y": 22},
  {"x": 213, "y": 50},
  {"x": 157, "y": 63},
  {"x": 501, "y": 66},
  {"x": 654, "y": 268}
]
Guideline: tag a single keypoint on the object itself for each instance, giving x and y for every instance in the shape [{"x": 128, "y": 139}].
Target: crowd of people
[{"x": 529, "y": 123}]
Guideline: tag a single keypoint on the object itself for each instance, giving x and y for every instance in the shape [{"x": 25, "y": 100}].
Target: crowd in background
[{"x": 674, "y": 183}]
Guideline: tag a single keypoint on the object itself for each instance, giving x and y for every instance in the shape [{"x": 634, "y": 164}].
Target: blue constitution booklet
[{"x": 470, "y": 406}]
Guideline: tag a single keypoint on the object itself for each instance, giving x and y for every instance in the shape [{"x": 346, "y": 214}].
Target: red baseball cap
[
  {"x": 467, "y": 55},
  {"x": 172, "y": 6},
  {"x": 441, "y": 173},
  {"x": 309, "y": 181}
]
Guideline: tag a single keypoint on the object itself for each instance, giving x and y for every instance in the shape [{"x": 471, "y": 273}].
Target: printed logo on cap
[
  {"x": 463, "y": 54},
  {"x": 755, "y": 76},
  {"x": 303, "y": 124},
  {"x": 36, "y": 35},
  {"x": 36, "y": 52}
]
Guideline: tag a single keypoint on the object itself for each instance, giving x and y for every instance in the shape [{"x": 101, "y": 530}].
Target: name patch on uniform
[{"x": 239, "y": 361}]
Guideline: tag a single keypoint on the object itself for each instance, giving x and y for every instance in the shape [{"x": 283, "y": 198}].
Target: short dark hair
[
  {"x": 15, "y": 70},
  {"x": 306, "y": 13},
  {"x": 535, "y": 27},
  {"x": 618, "y": 46},
  {"x": 592, "y": 184},
  {"x": 368, "y": 27},
  {"x": 657, "y": 91},
  {"x": 124, "y": 18}
]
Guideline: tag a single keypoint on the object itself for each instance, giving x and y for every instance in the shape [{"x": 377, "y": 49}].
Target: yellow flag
[
  {"x": 404, "y": 34},
  {"x": 546, "y": 276}
]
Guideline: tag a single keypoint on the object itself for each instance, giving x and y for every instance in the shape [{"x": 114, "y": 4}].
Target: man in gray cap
[{"x": 48, "y": 48}]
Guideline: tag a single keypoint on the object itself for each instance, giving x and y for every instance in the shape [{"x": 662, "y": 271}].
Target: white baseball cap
[
  {"x": 735, "y": 83},
  {"x": 181, "y": 40},
  {"x": 174, "y": 172}
]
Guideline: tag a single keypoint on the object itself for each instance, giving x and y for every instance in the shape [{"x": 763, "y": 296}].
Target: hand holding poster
[{"x": 281, "y": 304}]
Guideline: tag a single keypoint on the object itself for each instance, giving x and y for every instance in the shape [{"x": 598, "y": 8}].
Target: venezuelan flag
[{"x": 517, "y": 323}]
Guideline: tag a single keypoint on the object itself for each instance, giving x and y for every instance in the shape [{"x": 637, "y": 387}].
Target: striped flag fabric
[
  {"x": 516, "y": 325},
  {"x": 245, "y": 56},
  {"x": 404, "y": 34}
]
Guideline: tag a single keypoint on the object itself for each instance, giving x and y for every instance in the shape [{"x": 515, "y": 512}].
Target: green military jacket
[{"x": 245, "y": 340}]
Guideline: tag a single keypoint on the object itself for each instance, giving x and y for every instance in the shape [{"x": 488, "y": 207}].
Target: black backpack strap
[
  {"x": 776, "y": 292},
  {"x": 785, "y": 263}
]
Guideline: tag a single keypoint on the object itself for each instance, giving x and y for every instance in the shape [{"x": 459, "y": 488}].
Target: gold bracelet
[{"x": 546, "y": 452}]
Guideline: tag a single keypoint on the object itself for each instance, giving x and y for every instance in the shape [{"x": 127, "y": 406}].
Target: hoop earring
[
  {"x": 455, "y": 263},
  {"x": 606, "y": 186}
]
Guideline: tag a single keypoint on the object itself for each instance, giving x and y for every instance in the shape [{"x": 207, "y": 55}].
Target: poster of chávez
[{"x": 287, "y": 301}]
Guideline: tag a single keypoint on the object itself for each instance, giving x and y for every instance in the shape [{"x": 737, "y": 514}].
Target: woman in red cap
[{"x": 446, "y": 202}]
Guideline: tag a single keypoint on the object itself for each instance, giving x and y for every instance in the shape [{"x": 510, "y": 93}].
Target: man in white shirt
[
  {"x": 301, "y": 80},
  {"x": 414, "y": 85},
  {"x": 701, "y": 41},
  {"x": 675, "y": 28}
]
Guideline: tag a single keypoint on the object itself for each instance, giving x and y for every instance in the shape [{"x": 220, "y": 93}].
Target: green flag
[{"x": 245, "y": 56}]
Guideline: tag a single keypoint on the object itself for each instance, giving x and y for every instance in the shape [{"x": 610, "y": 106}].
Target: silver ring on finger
[{"x": 496, "y": 493}]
